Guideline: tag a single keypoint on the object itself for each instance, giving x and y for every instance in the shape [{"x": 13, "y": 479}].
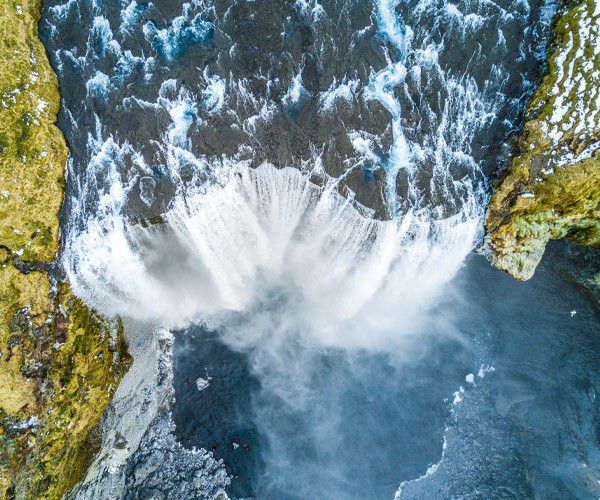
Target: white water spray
[{"x": 227, "y": 247}]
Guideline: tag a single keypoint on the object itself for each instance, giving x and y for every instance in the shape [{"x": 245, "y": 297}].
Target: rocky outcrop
[
  {"x": 552, "y": 188},
  {"x": 60, "y": 363}
]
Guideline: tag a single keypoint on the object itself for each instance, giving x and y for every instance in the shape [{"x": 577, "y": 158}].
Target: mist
[{"x": 332, "y": 310}]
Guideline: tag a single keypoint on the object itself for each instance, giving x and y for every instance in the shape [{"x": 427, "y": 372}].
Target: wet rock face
[
  {"x": 162, "y": 468},
  {"x": 250, "y": 79},
  {"x": 552, "y": 189}
]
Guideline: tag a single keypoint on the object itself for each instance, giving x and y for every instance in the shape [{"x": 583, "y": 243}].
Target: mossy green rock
[
  {"x": 60, "y": 363},
  {"x": 72, "y": 364},
  {"x": 32, "y": 150},
  {"x": 552, "y": 189}
]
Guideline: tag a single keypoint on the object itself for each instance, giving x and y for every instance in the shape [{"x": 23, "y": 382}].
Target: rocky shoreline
[
  {"x": 552, "y": 188},
  {"x": 60, "y": 363}
]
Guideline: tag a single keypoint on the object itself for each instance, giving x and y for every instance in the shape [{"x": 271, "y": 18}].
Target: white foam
[
  {"x": 131, "y": 13},
  {"x": 230, "y": 246},
  {"x": 61, "y": 11},
  {"x": 295, "y": 90},
  {"x": 98, "y": 85},
  {"x": 214, "y": 93},
  {"x": 344, "y": 91},
  {"x": 172, "y": 40}
]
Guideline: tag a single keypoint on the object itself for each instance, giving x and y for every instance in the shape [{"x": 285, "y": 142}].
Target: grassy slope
[{"x": 59, "y": 362}]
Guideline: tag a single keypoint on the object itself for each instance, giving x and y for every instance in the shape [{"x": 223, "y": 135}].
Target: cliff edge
[
  {"x": 552, "y": 188},
  {"x": 60, "y": 363}
]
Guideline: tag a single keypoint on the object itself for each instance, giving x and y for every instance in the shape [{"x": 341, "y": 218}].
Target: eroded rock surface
[{"x": 552, "y": 189}]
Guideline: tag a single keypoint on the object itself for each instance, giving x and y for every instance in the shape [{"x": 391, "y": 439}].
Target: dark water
[
  {"x": 384, "y": 435},
  {"x": 217, "y": 418},
  {"x": 529, "y": 428},
  {"x": 534, "y": 424}
]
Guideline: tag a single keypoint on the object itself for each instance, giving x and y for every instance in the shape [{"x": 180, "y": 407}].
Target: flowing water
[{"x": 282, "y": 200}]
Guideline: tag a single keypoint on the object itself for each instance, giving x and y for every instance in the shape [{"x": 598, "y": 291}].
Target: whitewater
[{"x": 302, "y": 183}]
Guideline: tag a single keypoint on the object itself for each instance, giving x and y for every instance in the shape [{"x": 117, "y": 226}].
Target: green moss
[
  {"x": 552, "y": 189},
  {"x": 83, "y": 374},
  {"x": 60, "y": 363},
  {"x": 24, "y": 307},
  {"x": 80, "y": 359},
  {"x": 32, "y": 149}
]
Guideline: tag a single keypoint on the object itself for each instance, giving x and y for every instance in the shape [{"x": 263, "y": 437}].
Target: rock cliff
[
  {"x": 552, "y": 188},
  {"x": 60, "y": 363}
]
